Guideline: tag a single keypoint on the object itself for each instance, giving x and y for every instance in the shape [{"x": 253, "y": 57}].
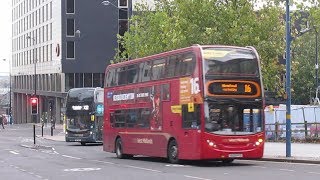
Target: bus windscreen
[{"x": 229, "y": 61}]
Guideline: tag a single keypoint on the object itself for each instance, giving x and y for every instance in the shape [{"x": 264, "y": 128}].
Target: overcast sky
[{"x": 5, "y": 34}]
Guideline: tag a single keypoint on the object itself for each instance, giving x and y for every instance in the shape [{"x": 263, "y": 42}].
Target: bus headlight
[
  {"x": 211, "y": 144},
  {"x": 91, "y": 133},
  {"x": 66, "y": 132},
  {"x": 259, "y": 142}
]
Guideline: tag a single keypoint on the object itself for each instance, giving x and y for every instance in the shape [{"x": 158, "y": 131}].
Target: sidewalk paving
[{"x": 273, "y": 151}]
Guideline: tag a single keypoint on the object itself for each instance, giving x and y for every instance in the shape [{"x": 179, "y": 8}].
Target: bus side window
[
  {"x": 132, "y": 74},
  {"x": 172, "y": 66},
  {"x": 165, "y": 92},
  {"x": 145, "y": 71},
  {"x": 120, "y": 118},
  {"x": 158, "y": 69},
  {"x": 190, "y": 120},
  {"x": 111, "y": 78},
  {"x": 112, "y": 119},
  {"x": 131, "y": 118},
  {"x": 145, "y": 116},
  {"x": 187, "y": 64},
  {"x": 122, "y": 75}
]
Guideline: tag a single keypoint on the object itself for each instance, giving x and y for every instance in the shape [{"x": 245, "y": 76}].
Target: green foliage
[{"x": 180, "y": 23}]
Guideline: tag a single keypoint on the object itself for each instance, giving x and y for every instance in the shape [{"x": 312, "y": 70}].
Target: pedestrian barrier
[{"x": 305, "y": 123}]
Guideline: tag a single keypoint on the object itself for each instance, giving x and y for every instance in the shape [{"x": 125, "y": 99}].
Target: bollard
[
  {"x": 34, "y": 134},
  {"x": 42, "y": 130},
  {"x": 305, "y": 129},
  {"x": 51, "y": 131}
]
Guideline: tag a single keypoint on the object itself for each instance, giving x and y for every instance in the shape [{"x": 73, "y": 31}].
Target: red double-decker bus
[{"x": 196, "y": 103}]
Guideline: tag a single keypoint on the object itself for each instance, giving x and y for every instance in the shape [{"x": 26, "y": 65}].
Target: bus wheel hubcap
[{"x": 174, "y": 151}]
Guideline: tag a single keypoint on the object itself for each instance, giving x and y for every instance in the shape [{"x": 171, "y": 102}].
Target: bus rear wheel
[
  {"x": 173, "y": 152},
  {"x": 119, "y": 150}
]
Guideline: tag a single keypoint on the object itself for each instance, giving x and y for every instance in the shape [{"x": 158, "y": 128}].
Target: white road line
[
  {"x": 259, "y": 167},
  {"x": 146, "y": 169},
  {"x": 13, "y": 152},
  {"x": 39, "y": 176},
  {"x": 71, "y": 157},
  {"x": 194, "y": 177},
  {"x": 105, "y": 162},
  {"x": 290, "y": 170},
  {"x": 313, "y": 172}
]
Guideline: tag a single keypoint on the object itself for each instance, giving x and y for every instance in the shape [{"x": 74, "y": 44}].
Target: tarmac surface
[{"x": 273, "y": 151}]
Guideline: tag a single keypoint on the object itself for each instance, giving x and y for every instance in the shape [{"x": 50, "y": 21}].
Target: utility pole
[
  {"x": 288, "y": 81},
  {"x": 35, "y": 74}
]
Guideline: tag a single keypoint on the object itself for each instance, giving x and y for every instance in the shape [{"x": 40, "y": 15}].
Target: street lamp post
[
  {"x": 10, "y": 105},
  {"x": 35, "y": 71},
  {"x": 288, "y": 81},
  {"x": 317, "y": 65}
]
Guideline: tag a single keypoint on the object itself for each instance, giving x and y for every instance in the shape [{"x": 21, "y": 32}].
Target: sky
[{"x": 5, "y": 35}]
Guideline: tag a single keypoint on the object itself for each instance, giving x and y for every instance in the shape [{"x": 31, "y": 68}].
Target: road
[{"x": 64, "y": 161}]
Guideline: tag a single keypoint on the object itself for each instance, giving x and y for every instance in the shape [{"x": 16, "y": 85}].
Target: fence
[{"x": 305, "y": 123}]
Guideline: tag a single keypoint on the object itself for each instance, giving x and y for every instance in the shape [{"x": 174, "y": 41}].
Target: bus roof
[{"x": 193, "y": 47}]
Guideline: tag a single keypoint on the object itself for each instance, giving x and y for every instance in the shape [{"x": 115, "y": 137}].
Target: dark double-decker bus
[
  {"x": 203, "y": 102},
  {"x": 84, "y": 115}
]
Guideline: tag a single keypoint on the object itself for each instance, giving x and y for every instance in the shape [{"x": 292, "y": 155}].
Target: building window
[
  {"x": 70, "y": 6},
  {"x": 70, "y": 49},
  {"x": 70, "y": 27},
  {"x": 123, "y": 3},
  {"x": 123, "y": 27},
  {"x": 69, "y": 78}
]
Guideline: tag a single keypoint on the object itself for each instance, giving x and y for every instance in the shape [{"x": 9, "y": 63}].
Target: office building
[{"x": 58, "y": 45}]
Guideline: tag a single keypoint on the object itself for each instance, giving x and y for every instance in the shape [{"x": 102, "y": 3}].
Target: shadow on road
[{"x": 198, "y": 163}]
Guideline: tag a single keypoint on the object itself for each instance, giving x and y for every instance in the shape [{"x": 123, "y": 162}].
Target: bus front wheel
[
  {"x": 119, "y": 150},
  {"x": 173, "y": 152}
]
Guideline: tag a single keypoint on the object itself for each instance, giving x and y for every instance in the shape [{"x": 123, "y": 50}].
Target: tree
[
  {"x": 304, "y": 51},
  {"x": 175, "y": 24}
]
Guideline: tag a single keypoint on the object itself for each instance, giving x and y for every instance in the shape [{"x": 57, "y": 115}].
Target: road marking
[
  {"x": 105, "y": 162},
  {"x": 71, "y": 157},
  {"x": 313, "y": 172},
  {"x": 146, "y": 169},
  {"x": 38, "y": 176},
  {"x": 194, "y": 177},
  {"x": 13, "y": 152},
  {"x": 81, "y": 169},
  {"x": 176, "y": 165},
  {"x": 290, "y": 170},
  {"x": 259, "y": 167}
]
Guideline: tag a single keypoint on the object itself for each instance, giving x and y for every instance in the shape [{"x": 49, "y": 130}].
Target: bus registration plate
[{"x": 235, "y": 155}]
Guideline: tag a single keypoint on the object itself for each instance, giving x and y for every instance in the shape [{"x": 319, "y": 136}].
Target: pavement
[{"x": 273, "y": 151}]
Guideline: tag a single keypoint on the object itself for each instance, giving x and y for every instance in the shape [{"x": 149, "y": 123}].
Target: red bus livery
[{"x": 195, "y": 103}]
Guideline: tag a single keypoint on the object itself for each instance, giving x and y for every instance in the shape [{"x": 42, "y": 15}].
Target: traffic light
[{"x": 34, "y": 105}]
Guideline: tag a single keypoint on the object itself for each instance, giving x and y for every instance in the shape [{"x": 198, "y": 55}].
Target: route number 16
[{"x": 195, "y": 88}]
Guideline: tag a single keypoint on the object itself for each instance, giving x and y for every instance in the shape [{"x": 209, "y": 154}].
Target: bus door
[
  {"x": 99, "y": 127},
  {"x": 99, "y": 121},
  {"x": 189, "y": 141}
]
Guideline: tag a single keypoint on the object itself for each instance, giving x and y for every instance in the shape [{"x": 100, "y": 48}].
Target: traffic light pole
[{"x": 34, "y": 115}]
